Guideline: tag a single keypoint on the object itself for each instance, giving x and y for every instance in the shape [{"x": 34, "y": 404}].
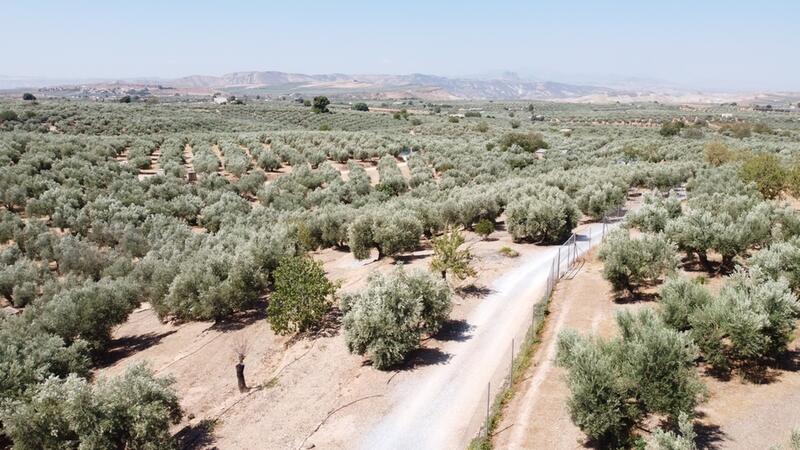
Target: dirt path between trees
[
  {"x": 443, "y": 406},
  {"x": 537, "y": 416},
  {"x": 737, "y": 414}
]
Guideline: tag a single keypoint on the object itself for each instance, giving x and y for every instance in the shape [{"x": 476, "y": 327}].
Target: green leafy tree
[
  {"x": 8, "y": 116},
  {"x": 360, "y": 107},
  {"x": 671, "y": 128},
  {"x": 718, "y": 153},
  {"x": 320, "y": 104},
  {"x": 390, "y": 233},
  {"x": 679, "y": 298},
  {"x": 387, "y": 319},
  {"x": 767, "y": 172},
  {"x": 596, "y": 200},
  {"x": 655, "y": 213},
  {"x": 484, "y": 228},
  {"x": 780, "y": 260},
  {"x": 449, "y": 257},
  {"x": 530, "y": 142},
  {"x": 302, "y": 296}
]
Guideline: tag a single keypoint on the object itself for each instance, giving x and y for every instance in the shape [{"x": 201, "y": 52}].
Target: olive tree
[
  {"x": 679, "y": 298},
  {"x": 596, "y": 200},
  {"x": 547, "y": 217},
  {"x": 390, "y": 233},
  {"x": 767, "y": 172},
  {"x": 387, "y": 319},
  {"x": 751, "y": 320},
  {"x": 684, "y": 439},
  {"x": 655, "y": 213},
  {"x": 614, "y": 384},
  {"x": 629, "y": 262},
  {"x": 132, "y": 411},
  {"x": 781, "y": 259}
]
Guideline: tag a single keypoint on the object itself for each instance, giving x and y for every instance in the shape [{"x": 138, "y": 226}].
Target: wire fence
[{"x": 565, "y": 263}]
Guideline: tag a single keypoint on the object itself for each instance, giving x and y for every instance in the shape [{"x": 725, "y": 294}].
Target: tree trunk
[
  {"x": 704, "y": 261},
  {"x": 444, "y": 275},
  {"x": 240, "y": 377},
  {"x": 727, "y": 262}
]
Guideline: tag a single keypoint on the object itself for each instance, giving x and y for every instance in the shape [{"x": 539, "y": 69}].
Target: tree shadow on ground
[
  {"x": 636, "y": 297},
  {"x": 421, "y": 357},
  {"x": 472, "y": 290},
  {"x": 454, "y": 330},
  {"x": 123, "y": 347},
  {"x": 411, "y": 257},
  {"x": 709, "y": 435},
  {"x": 329, "y": 326},
  {"x": 763, "y": 372},
  {"x": 240, "y": 320},
  {"x": 197, "y": 436}
]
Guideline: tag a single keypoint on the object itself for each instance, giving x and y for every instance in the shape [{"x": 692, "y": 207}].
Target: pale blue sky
[{"x": 711, "y": 43}]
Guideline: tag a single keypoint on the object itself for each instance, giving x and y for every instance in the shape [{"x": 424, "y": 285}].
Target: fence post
[
  {"x": 558, "y": 266},
  {"x": 488, "y": 396},
  {"x": 511, "y": 366},
  {"x": 575, "y": 250}
]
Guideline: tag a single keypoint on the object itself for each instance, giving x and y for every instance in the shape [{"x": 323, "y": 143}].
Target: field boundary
[{"x": 566, "y": 264}]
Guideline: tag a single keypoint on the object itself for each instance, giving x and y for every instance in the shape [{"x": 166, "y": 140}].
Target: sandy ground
[
  {"x": 537, "y": 417},
  {"x": 743, "y": 415},
  {"x": 295, "y": 385},
  {"x": 737, "y": 414},
  {"x": 443, "y": 406}
]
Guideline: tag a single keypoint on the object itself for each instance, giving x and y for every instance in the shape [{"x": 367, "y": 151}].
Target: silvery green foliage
[
  {"x": 630, "y": 262},
  {"x": 722, "y": 180},
  {"x": 660, "y": 362},
  {"x": 547, "y": 215},
  {"x": 29, "y": 355},
  {"x": 225, "y": 209},
  {"x": 684, "y": 439},
  {"x": 466, "y": 210},
  {"x": 726, "y": 224},
  {"x": 391, "y": 233},
  {"x": 750, "y": 320},
  {"x": 597, "y": 200},
  {"x": 679, "y": 298},
  {"x": 655, "y": 213},
  {"x": 18, "y": 280},
  {"x": 132, "y": 411},
  {"x": 616, "y": 383},
  {"x": 388, "y": 317},
  {"x": 781, "y": 259},
  {"x": 88, "y": 310},
  {"x": 218, "y": 280},
  {"x": 392, "y": 181}
]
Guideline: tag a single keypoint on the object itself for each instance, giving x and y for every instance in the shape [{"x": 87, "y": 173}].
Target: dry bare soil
[
  {"x": 737, "y": 415},
  {"x": 303, "y": 391}
]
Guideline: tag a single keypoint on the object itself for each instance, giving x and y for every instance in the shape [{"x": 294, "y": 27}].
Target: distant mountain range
[{"x": 506, "y": 86}]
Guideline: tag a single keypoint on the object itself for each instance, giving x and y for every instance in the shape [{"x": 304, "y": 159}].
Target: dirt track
[{"x": 442, "y": 406}]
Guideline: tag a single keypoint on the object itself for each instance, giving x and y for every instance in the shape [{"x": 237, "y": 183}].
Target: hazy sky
[{"x": 703, "y": 43}]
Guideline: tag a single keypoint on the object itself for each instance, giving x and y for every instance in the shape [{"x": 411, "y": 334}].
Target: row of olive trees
[{"x": 744, "y": 328}]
